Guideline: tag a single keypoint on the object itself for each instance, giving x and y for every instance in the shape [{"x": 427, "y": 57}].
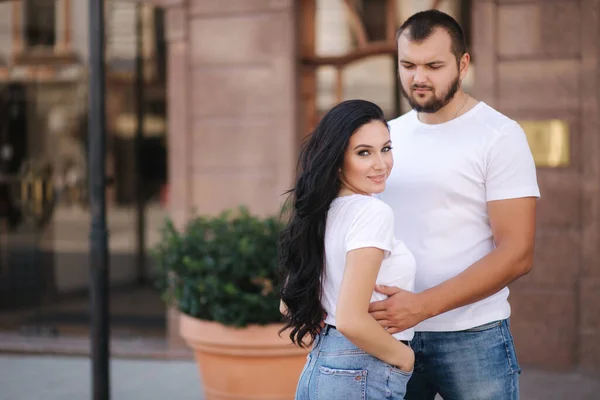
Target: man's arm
[{"x": 513, "y": 227}]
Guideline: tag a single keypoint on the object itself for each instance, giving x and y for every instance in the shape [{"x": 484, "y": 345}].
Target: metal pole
[
  {"x": 99, "y": 333},
  {"x": 139, "y": 137}
]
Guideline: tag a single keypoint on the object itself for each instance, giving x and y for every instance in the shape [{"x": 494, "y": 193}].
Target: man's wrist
[{"x": 428, "y": 305}]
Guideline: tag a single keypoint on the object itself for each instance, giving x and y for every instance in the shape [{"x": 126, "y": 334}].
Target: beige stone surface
[
  {"x": 520, "y": 34},
  {"x": 545, "y": 66},
  {"x": 555, "y": 255},
  {"x": 560, "y": 205},
  {"x": 544, "y": 326},
  {"x": 539, "y": 84}
]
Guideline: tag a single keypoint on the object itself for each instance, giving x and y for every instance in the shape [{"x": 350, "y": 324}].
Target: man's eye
[{"x": 408, "y": 66}]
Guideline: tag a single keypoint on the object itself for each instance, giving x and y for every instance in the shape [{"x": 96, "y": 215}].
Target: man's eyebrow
[{"x": 429, "y": 63}]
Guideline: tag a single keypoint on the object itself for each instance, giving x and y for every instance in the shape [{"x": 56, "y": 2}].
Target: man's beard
[{"x": 434, "y": 104}]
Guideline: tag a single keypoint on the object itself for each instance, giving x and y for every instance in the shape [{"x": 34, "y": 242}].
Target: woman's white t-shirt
[{"x": 359, "y": 221}]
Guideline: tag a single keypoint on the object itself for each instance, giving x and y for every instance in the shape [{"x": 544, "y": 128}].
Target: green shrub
[{"x": 221, "y": 268}]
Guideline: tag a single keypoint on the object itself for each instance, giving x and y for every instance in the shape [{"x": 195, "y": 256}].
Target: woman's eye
[
  {"x": 386, "y": 149},
  {"x": 363, "y": 153}
]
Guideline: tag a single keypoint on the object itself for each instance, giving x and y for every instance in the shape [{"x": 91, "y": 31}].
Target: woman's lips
[{"x": 377, "y": 178}]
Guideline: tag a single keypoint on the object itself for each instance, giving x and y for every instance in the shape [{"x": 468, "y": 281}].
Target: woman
[{"x": 338, "y": 244}]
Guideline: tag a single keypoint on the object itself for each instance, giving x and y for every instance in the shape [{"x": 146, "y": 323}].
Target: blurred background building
[
  {"x": 230, "y": 89},
  {"x": 44, "y": 47}
]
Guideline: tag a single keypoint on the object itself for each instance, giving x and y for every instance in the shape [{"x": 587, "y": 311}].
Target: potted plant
[{"x": 220, "y": 272}]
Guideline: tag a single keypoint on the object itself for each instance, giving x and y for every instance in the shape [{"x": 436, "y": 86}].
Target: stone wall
[
  {"x": 537, "y": 61},
  {"x": 231, "y": 108},
  {"x": 232, "y": 113}
]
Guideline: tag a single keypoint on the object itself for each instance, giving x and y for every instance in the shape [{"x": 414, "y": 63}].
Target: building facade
[
  {"x": 44, "y": 50},
  {"x": 243, "y": 81},
  {"x": 246, "y": 76}
]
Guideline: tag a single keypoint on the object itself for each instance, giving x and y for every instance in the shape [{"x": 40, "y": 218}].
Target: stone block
[
  {"x": 556, "y": 261},
  {"x": 238, "y": 39},
  {"x": 589, "y": 353},
  {"x": 589, "y": 305},
  {"x": 217, "y": 190},
  {"x": 520, "y": 30},
  {"x": 544, "y": 323},
  {"x": 560, "y": 204},
  {"x": 211, "y": 7},
  {"x": 539, "y": 84},
  {"x": 227, "y": 144},
  {"x": 560, "y": 32},
  {"x": 248, "y": 92}
]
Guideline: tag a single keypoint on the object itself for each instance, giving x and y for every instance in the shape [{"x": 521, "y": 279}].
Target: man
[{"x": 464, "y": 192}]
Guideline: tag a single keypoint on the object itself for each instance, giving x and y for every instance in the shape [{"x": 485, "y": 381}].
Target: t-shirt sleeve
[
  {"x": 511, "y": 170},
  {"x": 373, "y": 226}
]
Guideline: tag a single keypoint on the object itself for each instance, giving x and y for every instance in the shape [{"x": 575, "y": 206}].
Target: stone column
[
  {"x": 178, "y": 114},
  {"x": 178, "y": 132},
  {"x": 589, "y": 278},
  {"x": 231, "y": 108},
  {"x": 539, "y": 61},
  {"x": 242, "y": 112}
]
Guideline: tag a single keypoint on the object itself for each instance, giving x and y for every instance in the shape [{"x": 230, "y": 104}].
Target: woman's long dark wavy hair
[{"x": 302, "y": 242}]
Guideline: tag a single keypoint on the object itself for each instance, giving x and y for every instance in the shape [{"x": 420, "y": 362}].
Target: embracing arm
[
  {"x": 352, "y": 315},
  {"x": 513, "y": 227}
]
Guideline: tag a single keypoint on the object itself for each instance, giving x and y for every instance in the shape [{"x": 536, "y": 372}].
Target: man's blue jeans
[{"x": 476, "y": 364}]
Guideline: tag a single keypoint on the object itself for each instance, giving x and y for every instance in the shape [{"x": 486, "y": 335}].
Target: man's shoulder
[
  {"x": 403, "y": 120},
  {"x": 492, "y": 119}
]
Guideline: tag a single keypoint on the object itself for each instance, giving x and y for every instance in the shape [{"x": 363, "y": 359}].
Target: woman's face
[{"x": 368, "y": 159}]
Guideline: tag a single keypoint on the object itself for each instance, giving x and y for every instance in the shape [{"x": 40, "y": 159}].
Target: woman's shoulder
[{"x": 363, "y": 206}]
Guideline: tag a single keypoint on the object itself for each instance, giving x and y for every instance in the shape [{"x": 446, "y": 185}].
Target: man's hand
[{"x": 402, "y": 310}]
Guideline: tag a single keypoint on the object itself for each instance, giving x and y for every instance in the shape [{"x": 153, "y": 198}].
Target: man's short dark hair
[{"x": 422, "y": 24}]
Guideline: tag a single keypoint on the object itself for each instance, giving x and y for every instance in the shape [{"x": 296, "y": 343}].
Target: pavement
[{"x": 25, "y": 377}]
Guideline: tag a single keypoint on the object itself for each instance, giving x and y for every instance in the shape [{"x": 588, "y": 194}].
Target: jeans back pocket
[{"x": 346, "y": 384}]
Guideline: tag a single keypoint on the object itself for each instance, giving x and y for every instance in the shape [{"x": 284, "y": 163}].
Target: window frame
[{"x": 61, "y": 52}]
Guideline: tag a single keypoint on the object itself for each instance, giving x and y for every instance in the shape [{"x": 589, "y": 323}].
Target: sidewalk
[{"x": 68, "y": 378}]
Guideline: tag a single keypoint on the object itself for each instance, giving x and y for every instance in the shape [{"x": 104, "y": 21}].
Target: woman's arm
[{"x": 352, "y": 312}]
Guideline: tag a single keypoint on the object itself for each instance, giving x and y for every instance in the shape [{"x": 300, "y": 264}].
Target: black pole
[
  {"x": 139, "y": 137},
  {"x": 99, "y": 334}
]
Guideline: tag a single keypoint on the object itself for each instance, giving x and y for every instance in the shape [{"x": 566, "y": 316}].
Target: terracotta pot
[{"x": 251, "y": 363}]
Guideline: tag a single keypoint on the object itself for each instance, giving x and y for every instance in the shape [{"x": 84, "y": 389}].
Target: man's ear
[{"x": 463, "y": 65}]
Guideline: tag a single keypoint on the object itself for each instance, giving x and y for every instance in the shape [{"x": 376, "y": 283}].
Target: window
[
  {"x": 373, "y": 15},
  {"x": 42, "y": 31},
  {"x": 39, "y": 23}
]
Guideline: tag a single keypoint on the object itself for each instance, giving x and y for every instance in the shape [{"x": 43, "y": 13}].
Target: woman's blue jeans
[{"x": 337, "y": 369}]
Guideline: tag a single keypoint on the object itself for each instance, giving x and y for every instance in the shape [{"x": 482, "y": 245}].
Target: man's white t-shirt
[
  {"x": 355, "y": 222},
  {"x": 443, "y": 177}
]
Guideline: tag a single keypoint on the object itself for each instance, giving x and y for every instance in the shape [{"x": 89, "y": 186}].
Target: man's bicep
[{"x": 513, "y": 221}]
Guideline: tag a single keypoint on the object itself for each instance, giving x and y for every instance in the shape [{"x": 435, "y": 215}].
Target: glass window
[{"x": 40, "y": 23}]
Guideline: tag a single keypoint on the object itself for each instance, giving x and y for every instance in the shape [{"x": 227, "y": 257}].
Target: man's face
[{"x": 429, "y": 74}]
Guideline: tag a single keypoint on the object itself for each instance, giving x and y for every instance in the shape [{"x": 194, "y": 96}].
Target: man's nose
[{"x": 420, "y": 76}]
